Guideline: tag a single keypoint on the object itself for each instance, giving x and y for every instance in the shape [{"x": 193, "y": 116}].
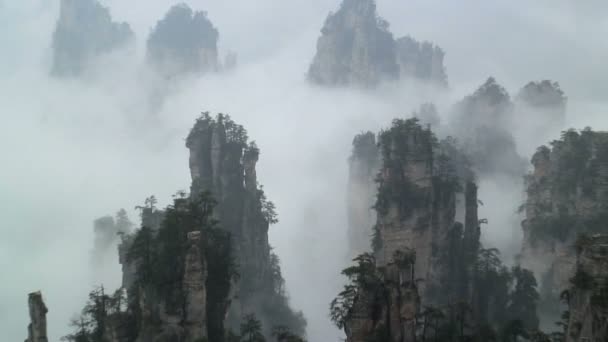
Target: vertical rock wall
[
  {"x": 567, "y": 196},
  {"x": 416, "y": 206},
  {"x": 37, "y": 328},
  {"x": 222, "y": 162},
  {"x": 588, "y": 295},
  {"x": 386, "y": 311},
  {"x": 362, "y": 189}
]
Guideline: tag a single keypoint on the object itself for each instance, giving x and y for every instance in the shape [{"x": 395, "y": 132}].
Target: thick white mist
[{"x": 72, "y": 151}]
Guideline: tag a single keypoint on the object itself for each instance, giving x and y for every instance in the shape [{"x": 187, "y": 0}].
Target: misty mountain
[
  {"x": 184, "y": 41},
  {"x": 357, "y": 48},
  {"x": 484, "y": 121},
  {"x": 85, "y": 31},
  {"x": 421, "y": 61},
  {"x": 425, "y": 207}
]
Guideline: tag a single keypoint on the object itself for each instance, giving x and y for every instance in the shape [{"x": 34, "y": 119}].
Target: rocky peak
[
  {"x": 222, "y": 162},
  {"x": 85, "y": 31},
  {"x": 37, "y": 327},
  {"x": 356, "y": 48},
  {"x": 418, "y": 185},
  {"x": 184, "y": 41},
  {"x": 483, "y": 122}
]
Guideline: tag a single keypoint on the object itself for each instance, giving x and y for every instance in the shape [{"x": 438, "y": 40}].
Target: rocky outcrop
[
  {"x": 223, "y": 163},
  {"x": 385, "y": 301},
  {"x": 363, "y": 165},
  {"x": 483, "y": 122},
  {"x": 566, "y": 197},
  {"x": 85, "y": 31},
  {"x": 36, "y": 330},
  {"x": 356, "y": 48},
  {"x": 183, "y": 42},
  {"x": 419, "y": 184},
  {"x": 588, "y": 295}
]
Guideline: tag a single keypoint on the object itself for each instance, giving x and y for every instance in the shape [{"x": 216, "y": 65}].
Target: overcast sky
[{"x": 72, "y": 151}]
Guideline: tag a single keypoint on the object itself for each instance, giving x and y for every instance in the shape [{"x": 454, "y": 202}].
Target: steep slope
[{"x": 84, "y": 31}]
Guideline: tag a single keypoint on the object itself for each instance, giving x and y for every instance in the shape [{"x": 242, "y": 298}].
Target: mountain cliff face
[
  {"x": 588, "y": 295},
  {"x": 202, "y": 268},
  {"x": 223, "y": 163},
  {"x": 364, "y": 164},
  {"x": 380, "y": 303},
  {"x": 182, "y": 42},
  {"x": 36, "y": 330},
  {"x": 84, "y": 31},
  {"x": 428, "y": 276},
  {"x": 356, "y": 48},
  {"x": 418, "y": 186},
  {"x": 567, "y": 193}
]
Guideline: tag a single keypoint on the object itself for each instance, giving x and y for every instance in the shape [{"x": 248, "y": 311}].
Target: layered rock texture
[
  {"x": 588, "y": 294},
  {"x": 196, "y": 269},
  {"x": 224, "y": 164},
  {"x": 422, "y": 257},
  {"x": 36, "y": 330},
  {"x": 183, "y": 42},
  {"x": 567, "y": 196},
  {"x": 419, "y": 183},
  {"x": 85, "y": 31},
  {"x": 356, "y": 48},
  {"x": 383, "y": 303}
]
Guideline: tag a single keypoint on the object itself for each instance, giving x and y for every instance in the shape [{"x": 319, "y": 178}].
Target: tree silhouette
[
  {"x": 283, "y": 334},
  {"x": 251, "y": 329},
  {"x": 523, "y": 299}
]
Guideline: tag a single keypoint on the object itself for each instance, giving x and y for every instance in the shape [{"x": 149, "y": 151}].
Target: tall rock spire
[{"x": 37, "y": 328}]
